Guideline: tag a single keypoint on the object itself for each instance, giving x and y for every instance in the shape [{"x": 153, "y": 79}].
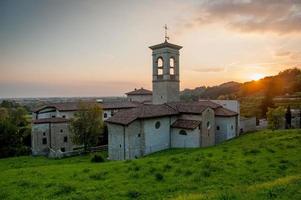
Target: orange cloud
[{"x": 278, "y": 16}]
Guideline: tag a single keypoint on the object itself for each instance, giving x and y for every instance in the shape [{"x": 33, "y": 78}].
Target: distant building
[
  {"x": 50, "y": 125},
  {"x": 168, "y": 123},
  {"x": 140, "y": 95}
]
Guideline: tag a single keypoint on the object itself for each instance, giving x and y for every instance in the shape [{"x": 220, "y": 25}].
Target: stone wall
[
  {"x": 226, "y": 128},
  {"x": 191, "y": 139},
  {"x": 157, "y": 139},
  {"x": 208, "y": 128}
]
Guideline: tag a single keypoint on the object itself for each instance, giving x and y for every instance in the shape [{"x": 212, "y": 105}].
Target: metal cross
[{"x": 166, "y": 37}]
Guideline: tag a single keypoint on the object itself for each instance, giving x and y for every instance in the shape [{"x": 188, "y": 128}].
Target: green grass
[{"x": 262, "y": 165}]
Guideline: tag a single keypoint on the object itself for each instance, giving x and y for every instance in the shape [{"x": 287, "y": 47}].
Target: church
[{"x": 166, "y": 122}]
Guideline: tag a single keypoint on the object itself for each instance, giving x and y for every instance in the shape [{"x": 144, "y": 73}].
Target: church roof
[
  {"x": 224, "y": 112},
  {"x": 145, "y": 111},
  {"x": 125, "y": 117},
  {"x": 140, "y": 91},
  {"x": 186, "y": 124},
  {"x": 74, "y": 106},
  {"x": 196, "y": 107},
  {"x": 166, "y": 44}
]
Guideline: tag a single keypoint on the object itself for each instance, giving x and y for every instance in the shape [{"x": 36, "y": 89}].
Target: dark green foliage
[
  {"x": 97, "y": 158},
  {"x": 133, "y": 194},
  {"x": 87, "y": 125},
  {"x": 159, "y": 176}
]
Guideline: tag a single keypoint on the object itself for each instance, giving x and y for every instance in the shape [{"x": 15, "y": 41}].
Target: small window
[
  {"x": 44, "y": 140},
  {"x": 160, "y": 71},
  {"x": 44, "y": 133},
  {"x": 208, "y": 125},
  {"x": 171, "y": 71},
  {"x": 53, "y": 116},
  {"x": 63, "y": 149},
  {"x": 160, "y": 62},
  {"x": 112, "y": 113},
  {"x": 61, "y": 130},
  {"x": 217, "y": 128},
  {"x": 171, "y": 62},
  {"x": 139, "y": 135},
  {"x": 182, "y": 132},
  {"x": 65, "y": 139},
  {"x": 64, "y": 116},
  {"x": 157, "y": 125},
  {"x": 232, "y": 127},
  {"x": 105, "y": 115}
]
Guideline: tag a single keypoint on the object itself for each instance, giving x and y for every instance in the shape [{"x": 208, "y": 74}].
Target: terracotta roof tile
[
  {"x": 145, "y": 111},
  {"x": 140, "y": 91},
  {"x": 224, "y": 112},
  {"x": 186, "y": 124}
]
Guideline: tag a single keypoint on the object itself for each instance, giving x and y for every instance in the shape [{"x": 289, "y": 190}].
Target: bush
[
  {"x": 97, "y": 158},
  {"x": 133, "y": 194},
  {"x": 159, "y": 177}
]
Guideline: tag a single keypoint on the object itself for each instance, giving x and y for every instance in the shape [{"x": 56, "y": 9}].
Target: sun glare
[{"x": 256, "y": 77}]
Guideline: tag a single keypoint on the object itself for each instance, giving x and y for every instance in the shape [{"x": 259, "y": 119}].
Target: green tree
[
  {"x": 87, "y": 125},
  {"x": 8, "y": 139},
  {"x": 275, "y": 117},
  {"x": 3, "y": 114}
]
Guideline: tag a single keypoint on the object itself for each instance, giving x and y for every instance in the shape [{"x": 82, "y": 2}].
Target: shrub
[
  {"x": 159, "y": 177},
  {"x": 133, "y": 194},
  {"x": 97, "y": 158}
]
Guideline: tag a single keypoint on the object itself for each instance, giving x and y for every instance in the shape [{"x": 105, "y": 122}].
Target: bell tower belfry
[{"x": 166, "y": 77}]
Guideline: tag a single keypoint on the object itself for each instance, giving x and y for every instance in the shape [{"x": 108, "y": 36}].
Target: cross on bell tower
[
  {"x": 166, "y": 37},
  {"x": 166, "y": 73}
]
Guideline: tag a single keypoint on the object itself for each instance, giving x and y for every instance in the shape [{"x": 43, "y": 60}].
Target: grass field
[{"x": 262, "y": 165}]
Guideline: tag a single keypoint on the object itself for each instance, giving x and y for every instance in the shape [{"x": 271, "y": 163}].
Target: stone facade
[
  {"x": 166, "y": 76},
  {"x": 145, "y": 136},
  {"x": 55, "y": 136}
]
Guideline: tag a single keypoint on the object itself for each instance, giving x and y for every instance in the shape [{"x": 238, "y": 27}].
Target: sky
[{"x": 68, "y": 48}]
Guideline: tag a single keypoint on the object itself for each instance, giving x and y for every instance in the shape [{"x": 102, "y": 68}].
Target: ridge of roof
[
  {"x": 166, "y": 44},
  {"x": 140, "y": 91}
]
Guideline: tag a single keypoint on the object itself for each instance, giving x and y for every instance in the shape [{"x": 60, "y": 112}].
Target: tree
[
  {"x": 275, "y": 117},
  {"x": 3, "y": 114},
  {"x": 8, "y": 139},
  {"x": 87, "y": 125},
  {"x": 288, "y": 118}
]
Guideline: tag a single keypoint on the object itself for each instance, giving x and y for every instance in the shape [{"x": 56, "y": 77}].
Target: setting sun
[{"x": 256, "y": 76}]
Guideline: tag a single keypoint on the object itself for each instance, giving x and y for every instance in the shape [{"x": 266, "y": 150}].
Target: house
[
  {"x": 167, "y": 122},
  {"x": 140, "y": 95}
]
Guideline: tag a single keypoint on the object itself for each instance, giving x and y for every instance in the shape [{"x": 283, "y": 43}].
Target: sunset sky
[{"x": 100, "y": 48}]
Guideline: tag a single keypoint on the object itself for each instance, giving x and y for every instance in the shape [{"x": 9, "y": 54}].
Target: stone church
[{"x": 167, "y": 122}]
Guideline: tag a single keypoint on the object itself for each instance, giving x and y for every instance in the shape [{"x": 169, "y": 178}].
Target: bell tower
[{"x": 166, "y": 77}]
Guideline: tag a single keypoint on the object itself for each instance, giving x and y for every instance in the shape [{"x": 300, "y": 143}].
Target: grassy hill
[{"x": 262, "y": 165}]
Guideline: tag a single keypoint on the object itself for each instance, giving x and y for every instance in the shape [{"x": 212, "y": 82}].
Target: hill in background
[{"x": 251, "y": 94}]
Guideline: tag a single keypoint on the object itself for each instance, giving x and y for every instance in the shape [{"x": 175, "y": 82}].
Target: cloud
[
  {"x": 278, "y": 16},
  {"x": 282, "y": 53},
  {"x": 210, "y": 69}
]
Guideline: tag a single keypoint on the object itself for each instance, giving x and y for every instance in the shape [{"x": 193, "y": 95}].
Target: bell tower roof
[{"x": 165, "y": 44}]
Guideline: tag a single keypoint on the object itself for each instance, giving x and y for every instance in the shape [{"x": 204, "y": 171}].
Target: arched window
[
  {"x": 171, "y": 66},
  {"x": 160, "y": 62},
  {"x": 182, "y": 132},
  {"x": 157, "y": 125},
  {"x": 160, "y": 65},
  {"x": 208, "y": 125}
]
